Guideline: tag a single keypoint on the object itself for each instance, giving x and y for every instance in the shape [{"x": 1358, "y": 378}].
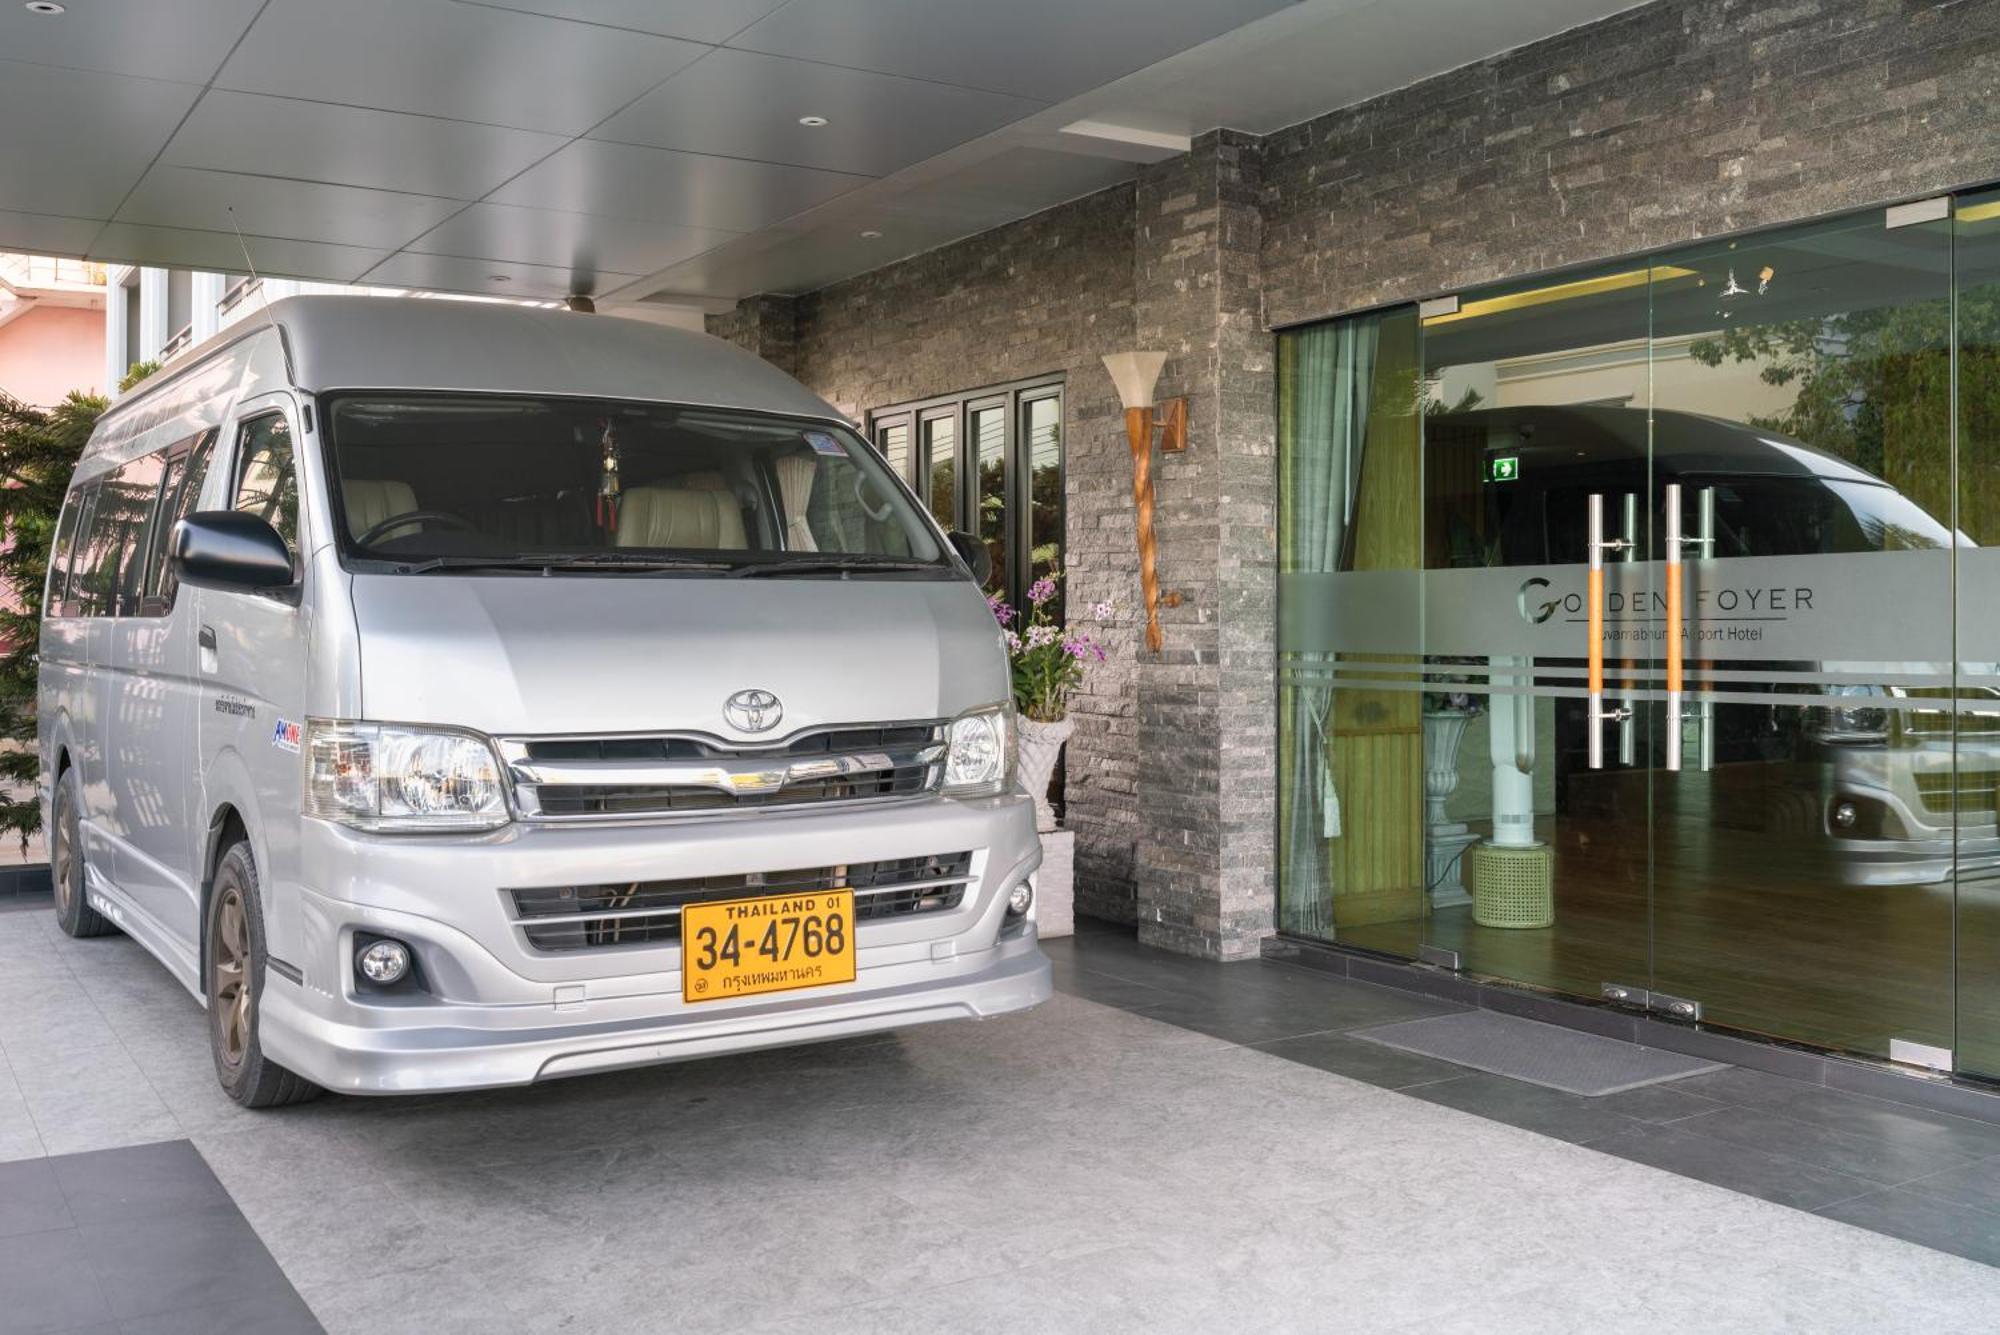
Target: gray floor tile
[
  {"x": 30, "y": 1199},
  {"x": 150, "y": 1266},
  {"x": 48, "y": 1284},
  {"x": 285, "y": 1314},
  {"x": 1548, "y": 1112},
  {"x": 1884, "y": 1156},
  {"x": 1977, "y": 1185},
  {"x": 1669, "y": 1102},
  {"x": 1959, "y": 1229},
  {"x": 1371, "y": 1063},
  {"x": 1769, "y": 1177},
  {"x": 138, "y": 1182}
]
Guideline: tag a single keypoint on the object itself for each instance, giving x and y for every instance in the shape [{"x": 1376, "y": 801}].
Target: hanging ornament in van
[{"x": 609, "y": 488}]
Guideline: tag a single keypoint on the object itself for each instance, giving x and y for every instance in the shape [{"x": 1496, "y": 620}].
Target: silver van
[{"x": 457, "y": 695}]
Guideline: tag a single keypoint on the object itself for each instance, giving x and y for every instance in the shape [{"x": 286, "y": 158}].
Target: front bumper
[
  {"x": 472, "y": 1048},
  {"x": 496, "y": 1010}
]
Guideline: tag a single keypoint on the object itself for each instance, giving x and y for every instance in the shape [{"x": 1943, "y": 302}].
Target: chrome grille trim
[
  {"x": 895, "y": 888},
  {"x": 640, "y": 777}
]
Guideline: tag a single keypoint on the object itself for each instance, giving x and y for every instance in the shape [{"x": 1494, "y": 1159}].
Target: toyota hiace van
[{"x": 456, "y": 695}]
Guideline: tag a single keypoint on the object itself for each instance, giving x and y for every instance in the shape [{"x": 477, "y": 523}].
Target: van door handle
[
  {"x": 207, "y": 638},
  {"x": 205, "y": 643}
]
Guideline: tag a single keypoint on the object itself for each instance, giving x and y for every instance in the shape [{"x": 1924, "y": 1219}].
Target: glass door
[
  {"x": 1540, "y": 628},
  {"x": 1804, "y": 809}
]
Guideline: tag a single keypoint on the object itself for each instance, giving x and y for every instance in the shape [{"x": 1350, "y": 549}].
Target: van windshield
[{"x": 452, "y": 481}]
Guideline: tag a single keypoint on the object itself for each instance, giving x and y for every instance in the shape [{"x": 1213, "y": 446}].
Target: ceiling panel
[
  {"x": 275, "y": 206},
  {"x": 92, "y": 135},
  {"x": 553, "y": 237},
  {"x": 1048, "y": 49},
  {"x": 182, "y": 41},
  {"x": 46, "y": 234},
  {"x": 436, "y": 58},
  {"x": 744, "y": 105},
  {"x": 452, "y": 273},
  {"x": 188, "y": 248},
  {"x": 1014, "y": 183},
  {"x": 725, "y": 194},
  {"x": 381, "y": 150},
  {"x": 696, "y": 20}
]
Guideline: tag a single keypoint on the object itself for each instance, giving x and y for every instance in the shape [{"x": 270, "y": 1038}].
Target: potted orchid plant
[{"x": 1048, "y": 662}]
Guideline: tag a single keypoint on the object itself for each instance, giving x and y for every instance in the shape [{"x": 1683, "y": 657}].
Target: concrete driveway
[{"x": 1075, "y": 1168}]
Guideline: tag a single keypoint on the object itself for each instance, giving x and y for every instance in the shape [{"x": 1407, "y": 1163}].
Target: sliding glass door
[{"x": 1634, "y": 638}]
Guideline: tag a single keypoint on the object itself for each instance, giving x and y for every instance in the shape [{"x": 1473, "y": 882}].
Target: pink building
[{"x": 51, "y": 328}]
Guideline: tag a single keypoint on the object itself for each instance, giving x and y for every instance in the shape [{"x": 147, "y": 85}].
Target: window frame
[
  {"x": 1012, "y": 398},
  {"x": 240, "y": 459}
]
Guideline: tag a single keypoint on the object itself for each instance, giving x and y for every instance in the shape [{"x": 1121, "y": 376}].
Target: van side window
[
  {"x": 94, "y": 577},
  {"x": 60, "y": 553},
  {"x": 266, "y": 484},
  {"x": 133, "y": 493},
  {"x": 187, "y": 469}
]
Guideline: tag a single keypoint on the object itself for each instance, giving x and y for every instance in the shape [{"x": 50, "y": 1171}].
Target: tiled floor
[
  {"x": 1080, "y": 1167},
  {"x": 1924, "y": 1176}
]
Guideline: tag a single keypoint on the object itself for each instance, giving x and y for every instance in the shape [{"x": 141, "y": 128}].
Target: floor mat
[{"x": 1541, "y": 1054}]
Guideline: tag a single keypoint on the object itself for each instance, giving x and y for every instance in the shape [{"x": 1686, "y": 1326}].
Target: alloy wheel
[{"x": 229, "y": 976}]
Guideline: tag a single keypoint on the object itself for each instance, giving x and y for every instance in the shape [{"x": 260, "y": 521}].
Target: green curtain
[{"x": 1325, "y": 375}]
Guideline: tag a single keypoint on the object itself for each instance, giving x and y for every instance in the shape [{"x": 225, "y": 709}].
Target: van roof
[{"x": 361, "y": 342}]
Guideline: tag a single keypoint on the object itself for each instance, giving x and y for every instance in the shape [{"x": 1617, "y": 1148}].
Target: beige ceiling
[{"x": 637, "y": 149}]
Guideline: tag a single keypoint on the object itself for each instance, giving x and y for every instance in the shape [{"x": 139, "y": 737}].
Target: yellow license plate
[{"x": 777, "y": 943}]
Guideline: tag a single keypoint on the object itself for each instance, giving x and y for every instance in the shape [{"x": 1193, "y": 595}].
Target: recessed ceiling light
[
  {"x": 43, "y": 7},
  {"x": 870, "y": 235},
  {"x": 814, "y": 121},
  {"x": 498, "y": 278}
]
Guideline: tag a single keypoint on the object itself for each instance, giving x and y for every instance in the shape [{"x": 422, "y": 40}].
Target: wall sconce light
[{"x": 1135, "y": 374}]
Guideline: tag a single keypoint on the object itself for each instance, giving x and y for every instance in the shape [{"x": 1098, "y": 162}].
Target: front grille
[
  {"x": 583, "y": 778},
  {"x": 1969, "y": 790},
  {"x": 585, "y": 917}
]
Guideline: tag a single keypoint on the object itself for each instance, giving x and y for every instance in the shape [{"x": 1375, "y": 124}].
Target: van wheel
[
  {"x": 73, "y": 912},
  {"x": 235, "y": 953}
]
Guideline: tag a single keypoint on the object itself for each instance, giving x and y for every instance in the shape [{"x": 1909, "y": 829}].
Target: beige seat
[
  {"x": 369, "y": 501},
  {"x": 672, "y": 517}
]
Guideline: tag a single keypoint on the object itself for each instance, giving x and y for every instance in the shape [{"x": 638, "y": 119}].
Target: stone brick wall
[
  {"x": 1677, "y": 120},
  {"x": 1659, "y": 125},
  {"x": 1050, "y": 294}
]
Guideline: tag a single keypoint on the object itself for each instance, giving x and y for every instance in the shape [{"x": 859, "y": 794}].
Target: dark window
[
  {"x": 93, "y": 579},
  {"x": 187, "y": 467},
  {"x": 266, "y": 483},
  {"x": 59, "y": 556},
  {"x": 133, "y": 494},
  {"x": 989, "y": 463}
]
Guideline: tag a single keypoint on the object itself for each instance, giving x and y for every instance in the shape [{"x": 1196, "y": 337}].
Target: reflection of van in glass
[
  {"x": 1866, "y": 791},
  {"x": 457, "y": 695}
]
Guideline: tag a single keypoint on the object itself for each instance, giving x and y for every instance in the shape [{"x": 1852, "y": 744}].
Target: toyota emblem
[{"x": 753, "y": 711}]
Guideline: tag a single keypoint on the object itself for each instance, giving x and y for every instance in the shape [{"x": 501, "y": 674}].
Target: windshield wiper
[
  {"x": 798, "y": 564},
  {"x": 430, "y": 563},
  {"x": 614, "y": 560}
]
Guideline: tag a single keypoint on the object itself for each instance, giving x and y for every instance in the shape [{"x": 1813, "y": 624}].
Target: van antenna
[{"x": 258, "y": 278}]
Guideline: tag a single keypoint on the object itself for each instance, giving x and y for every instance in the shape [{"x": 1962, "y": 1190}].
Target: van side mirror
[
  {"x": 228, "y": 549},
  {"x": 973, "y": 552}
]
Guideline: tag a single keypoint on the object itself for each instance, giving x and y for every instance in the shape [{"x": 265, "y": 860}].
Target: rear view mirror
[
  {"x": 973, "y": 552},
  {"x": 227, "y": 549}
]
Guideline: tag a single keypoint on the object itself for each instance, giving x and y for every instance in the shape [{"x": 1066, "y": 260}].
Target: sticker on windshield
[
  {"x": 825, "y": 444},
  {"x": 285, "y": 736}
]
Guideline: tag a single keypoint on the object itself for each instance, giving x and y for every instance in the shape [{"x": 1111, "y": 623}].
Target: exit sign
[{"x": 1503, "y": 468}]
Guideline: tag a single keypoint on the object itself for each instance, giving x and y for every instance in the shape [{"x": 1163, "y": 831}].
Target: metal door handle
[
  {"x": 1676, "y": 624},
  {"x": 1598, "y": 545},
  {"x": 206, "y": 638}
]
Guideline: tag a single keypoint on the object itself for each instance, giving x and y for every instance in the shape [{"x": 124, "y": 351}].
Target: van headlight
[
  {"x": 980, "y": 758},
  {"x": 380, "y": 776}
]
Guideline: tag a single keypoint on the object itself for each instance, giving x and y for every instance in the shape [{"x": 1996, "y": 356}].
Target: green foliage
[
  {"x": 1874, "y": 387},
  {"x": 38, "y": 451},
  {"x": 135, "y": 373}
]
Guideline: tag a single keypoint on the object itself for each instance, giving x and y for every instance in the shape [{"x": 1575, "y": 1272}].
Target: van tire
[
  {"x": 233, "y": 951},
  {"x": 73, "y": 912}
]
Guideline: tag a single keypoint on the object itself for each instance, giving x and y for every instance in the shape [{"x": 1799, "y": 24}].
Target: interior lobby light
[
  {"x": 1542, "y": 296},
  {"x": 812, "y": 122},
  {"x": 1135, "y": 375},
  {"x": 43, "y": 7}
]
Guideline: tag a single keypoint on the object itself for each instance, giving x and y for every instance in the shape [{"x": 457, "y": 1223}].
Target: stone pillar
[
  {"x": 1206, "y": 702},
  {"x": 766, "y": 325}
]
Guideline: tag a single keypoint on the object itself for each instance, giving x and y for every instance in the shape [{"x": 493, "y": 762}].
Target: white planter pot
[
  {"x": 1039, "y": 745},
  {"x": 1445, "y": 840},
  {"x": 1055, "y": 886}
]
